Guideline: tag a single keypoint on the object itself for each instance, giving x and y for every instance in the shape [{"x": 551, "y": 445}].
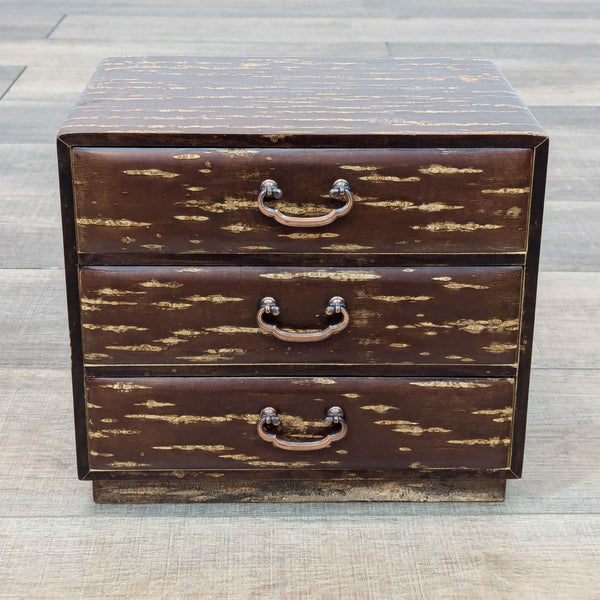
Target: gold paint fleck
[
  {"x": 121, "y": 386},
  {"x": 204, "y": 171},
  {"x": 524, "y": 190},
  {"x": 351, "y": 395},
  {"x": 498, "y": 348},
  {"x": 238, "y": 228},
  {"x": 179, "y": 419},
  {"x": 358, "y": 168},
  {"x": 440, "y": 169},
  {"x": 334, "y": 275},
  {"x": 404, "y": 449},
  {"x": 460, "y": 286},
  {"x": 214, "y": 298},
  {"x": 341, "y": 451},
  {"x": 121, "y": 431},
  {"x": 450, "y": 226},
  {"x": 107, "y": 420},
  {"x": 495, "y": 441},
  {"x": 188, "y": 332},
  {"x": 378, "y": 408},
  {"x": 187, "y": 156},
  {"x": 330, "y": 462},
  {"x": 152, "y": 246},
  {"x": 346, "y": 247},
  {"x": 191, "y": 218},
  {"x": 503, "y": 414},
  {"x": 191, "y": 447},
  {"x": 399, "y": 345},
  {"x": 391, "y": 326},
  {"x": 151, "y": 173},
  {"x": 256, "y": 248},
  {"x": 137, "y": 348},
  {"x": 153, "y": 404},
  {"x": 308, "y": 236},
  {"x": 194, "y": 188},
  {"x": 242, "y": 457},
  {"x": 402, "y": 298},
  {"x": 112, "y": 292},
  {"x": 111, "y": 222},
  {"x": 214, "y": 354},
  {"x": 94, "y": 301},
  {"x": 513, "y": 212},
  {"x": 170, "y": 341},
  {"x": 171, "y": 305},
  {"x": 441, "y": 278},
  {"x": 103, "y": 454},
  {"x": 95, "y": 356},
  {"x": 274, "y": 463},
  {"x": 451, "y": 384},
  {"x": 233, "y": 329},
  {"x": 153, "y": 283},
  {"x": 376, "y": 178},
  {"x": 127, "y": 240},
  {"x": 127, "y": 463}
]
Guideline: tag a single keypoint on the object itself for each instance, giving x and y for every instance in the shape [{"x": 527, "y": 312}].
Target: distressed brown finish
[
  {"x": 207, "y": 315},
  {"x": 448, "y": 168},
  {"x": 210, "y": 423},
  {"x": 192, "y": 200},
  {"x": 428, "y": 490},
  {"x": 299, "y": 102}
]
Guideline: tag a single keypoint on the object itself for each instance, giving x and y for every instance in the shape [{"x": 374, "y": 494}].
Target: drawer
[
  {"x": 212, "y": 423},
  {"x": 208, "y": 315},
  {"x": 186, "y": 200}
]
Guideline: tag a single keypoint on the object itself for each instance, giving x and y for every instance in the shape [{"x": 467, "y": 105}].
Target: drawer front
[
  {"x": 166, "y": 200},
  {"x": 211, "y": 423},
  {"x": 208, "y": 315}
]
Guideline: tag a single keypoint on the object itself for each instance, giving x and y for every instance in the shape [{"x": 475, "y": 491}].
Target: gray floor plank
[
  {"x": 8, "y": 75},
  {"x": 16, "y": 26},
  {"x": 28, "y": 170},
  {"x": 26, "y": 122},
  {"x": 220, "y": 558},
  {"x": 308, "y": 29},
  {"x": 309, "y": 8}
]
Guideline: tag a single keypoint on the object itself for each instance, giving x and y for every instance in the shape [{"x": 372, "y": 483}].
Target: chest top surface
[{"x": 299, "y": 102}]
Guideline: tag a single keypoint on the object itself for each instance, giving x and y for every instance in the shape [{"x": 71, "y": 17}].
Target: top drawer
[{"x": 182, "y": 200}]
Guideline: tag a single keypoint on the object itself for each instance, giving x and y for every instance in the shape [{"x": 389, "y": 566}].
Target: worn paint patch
[
  {"x": 411, "y": 428},
  {"x": 441, "y": 278},
  {"x": 120, "y": 464},
  {"x": 498, "y": 348},
  {"x": 153, "y": 283},
  {"x": 188, "y": 332},
  {"x": 151, "y": 173},
  {"x": 472, "y": 326},
  {"x": 334, "y": 275},
  {"x": 114, "y": 328},
  {"x": 378, "y": 408},
  {"x": 170, "y": 341},
  {"x": 179, "y": 419},
  {"x": 523, "y": 190},
  {"x": 495, "y": 441},
  {"x": 358, "y": 168},
  {"x": 503, "y": 415},
  {"x": 402, "y": 298},
  {"x": 514, "y": 212},
  {"x": 240, "y": 456},
  {"x": 450, "y": 226},
  {"x": 443, "y": 170},
  {"x": 120, "y": 431},
  {"x": 295, "y": 464},
  {"x": 256, "y": 248},
  {"x": 451, "y": 384}
]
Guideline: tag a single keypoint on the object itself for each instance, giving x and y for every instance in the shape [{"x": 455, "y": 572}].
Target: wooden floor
[{"x": 542, "y": 543}]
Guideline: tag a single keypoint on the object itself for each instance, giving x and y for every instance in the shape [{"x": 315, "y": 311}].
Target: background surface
[{"x": 543, "y": 542}]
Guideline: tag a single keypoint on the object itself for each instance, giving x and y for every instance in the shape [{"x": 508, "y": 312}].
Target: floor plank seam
[
  {"x": 13, "y": 82},
  {"x": 55, "y": 26}
]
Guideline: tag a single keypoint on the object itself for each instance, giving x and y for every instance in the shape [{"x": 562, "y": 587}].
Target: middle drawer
[{"x": 208, "y": 315}]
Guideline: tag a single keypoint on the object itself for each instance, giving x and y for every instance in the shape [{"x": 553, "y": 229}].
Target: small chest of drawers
[{"x": 300, "y": 279}]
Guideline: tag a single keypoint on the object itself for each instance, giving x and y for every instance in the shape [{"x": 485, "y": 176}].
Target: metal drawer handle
[
  {"x": 268, "y": 416},
  {"x": 269, "y": 306},
  {"x": 270, "y": 189}
]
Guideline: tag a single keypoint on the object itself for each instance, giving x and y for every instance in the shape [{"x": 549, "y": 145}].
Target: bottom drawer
[{"x": 206, "y": 423}]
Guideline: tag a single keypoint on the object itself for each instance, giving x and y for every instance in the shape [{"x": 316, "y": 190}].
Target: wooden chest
[{"x": 300, "y": 279}]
